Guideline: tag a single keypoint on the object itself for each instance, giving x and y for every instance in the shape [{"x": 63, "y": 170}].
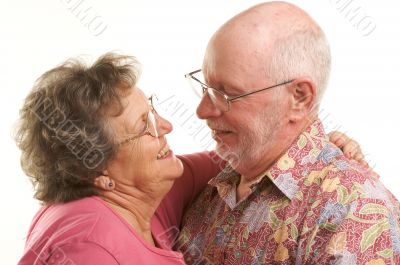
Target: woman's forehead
[
  {"x": 135, "y": 107},
  {"x": 137, "y": 102}
]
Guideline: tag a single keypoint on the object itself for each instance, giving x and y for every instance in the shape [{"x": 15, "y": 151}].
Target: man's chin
[
  {"x": 222, "y": 150},
  {"x": 228, "y": 154}
]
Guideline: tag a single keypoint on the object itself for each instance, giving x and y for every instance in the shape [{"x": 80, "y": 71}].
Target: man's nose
[{"x": 207, "y": 109}]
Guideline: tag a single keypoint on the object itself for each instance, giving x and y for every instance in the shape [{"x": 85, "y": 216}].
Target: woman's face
[{"x": 146, "y": 160}]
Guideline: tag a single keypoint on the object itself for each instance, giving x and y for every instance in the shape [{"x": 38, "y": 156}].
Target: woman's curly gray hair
[{"x": 63, "y": 131}]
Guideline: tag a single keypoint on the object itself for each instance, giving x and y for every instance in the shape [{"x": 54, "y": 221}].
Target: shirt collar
[{"x": 304, "y": 150}]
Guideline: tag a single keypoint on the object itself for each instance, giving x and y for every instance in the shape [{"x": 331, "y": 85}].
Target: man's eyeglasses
[
  {"x": 150, "y": 127},
  {"x": 220, "y": 100}
]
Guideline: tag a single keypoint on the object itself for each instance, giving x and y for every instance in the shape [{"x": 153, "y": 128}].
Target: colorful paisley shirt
[{"x": 313, "y": 206}]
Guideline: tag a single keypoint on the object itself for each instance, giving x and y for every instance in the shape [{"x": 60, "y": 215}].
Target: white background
[{"x": 169, "y": 38}]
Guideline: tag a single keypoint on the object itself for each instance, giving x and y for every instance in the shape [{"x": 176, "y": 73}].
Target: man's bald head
[
  {"x": 278, "y": 38},
  {"x": 280, "y": 18}
]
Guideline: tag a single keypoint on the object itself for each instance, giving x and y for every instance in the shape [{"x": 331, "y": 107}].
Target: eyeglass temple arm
[{"x": 253, "y": 92}]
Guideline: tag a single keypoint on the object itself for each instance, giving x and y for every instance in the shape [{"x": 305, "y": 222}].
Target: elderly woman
[{"x": 95, "y": 149}]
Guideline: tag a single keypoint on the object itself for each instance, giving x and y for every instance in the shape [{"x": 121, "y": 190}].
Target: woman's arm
[{"x": 199, "y": 168}]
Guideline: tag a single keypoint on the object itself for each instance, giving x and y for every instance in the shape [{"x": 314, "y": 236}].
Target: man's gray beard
[{"x": 248, "y": 150}]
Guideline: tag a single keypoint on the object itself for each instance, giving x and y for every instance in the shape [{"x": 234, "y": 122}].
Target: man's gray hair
[{"x": 304, "y": 52}]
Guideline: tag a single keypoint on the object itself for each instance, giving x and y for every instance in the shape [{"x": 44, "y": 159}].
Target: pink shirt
[{"x": 88, "y": 231}]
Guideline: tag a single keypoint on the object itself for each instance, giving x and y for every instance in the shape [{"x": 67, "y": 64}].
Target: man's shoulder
[
  {"x": 344, "y": 176},
  {"x": 350, "y": 188},
  {"x": 349, "y": 201}
]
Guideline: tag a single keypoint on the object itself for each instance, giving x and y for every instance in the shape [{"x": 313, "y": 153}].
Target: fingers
[
  {"x": 338, "y": 138},
  {"x": 359, "y": 156},
  {"x": 350, "y": 148}
]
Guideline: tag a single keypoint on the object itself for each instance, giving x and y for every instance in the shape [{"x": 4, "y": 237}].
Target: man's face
[{"x": 246, "y": 132}]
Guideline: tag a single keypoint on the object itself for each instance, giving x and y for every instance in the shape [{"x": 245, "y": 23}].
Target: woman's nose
[{"x": 163, "y": 125}]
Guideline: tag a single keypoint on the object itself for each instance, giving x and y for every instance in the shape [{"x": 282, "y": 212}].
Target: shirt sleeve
[
  {"x": 367, "y": 232},
  {"x": 199, "y": 168},
  {"x": 81, "y": 253}
]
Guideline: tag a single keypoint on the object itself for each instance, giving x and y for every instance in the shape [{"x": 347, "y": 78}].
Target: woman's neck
[{"x": 136, "y": 206}]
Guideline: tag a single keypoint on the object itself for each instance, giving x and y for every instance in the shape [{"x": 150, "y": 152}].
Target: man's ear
[
  {"x": 303, "y": 94},
  {"x": 104, "y": 182}
]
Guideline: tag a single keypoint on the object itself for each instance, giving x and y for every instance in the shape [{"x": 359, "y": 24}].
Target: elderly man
[{"x": 287, "y": 196}]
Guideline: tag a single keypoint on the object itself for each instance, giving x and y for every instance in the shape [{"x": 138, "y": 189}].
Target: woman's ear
[
  {"x": 303, "y": 98},
  {"x": 104, "y": 182}
]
